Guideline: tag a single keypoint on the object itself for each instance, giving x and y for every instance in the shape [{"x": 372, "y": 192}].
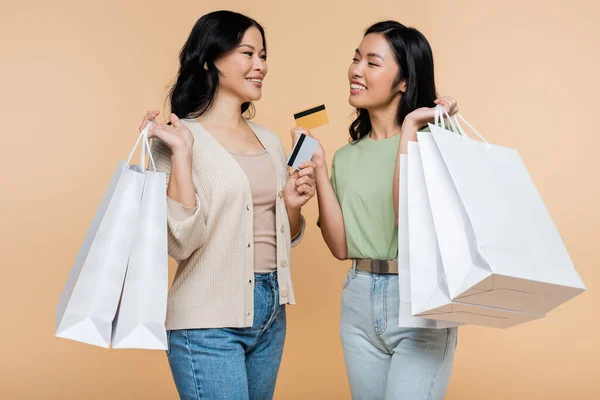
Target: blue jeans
[
  {"x": 232, "y": 363},
  {"x": 384, "y": 361}
]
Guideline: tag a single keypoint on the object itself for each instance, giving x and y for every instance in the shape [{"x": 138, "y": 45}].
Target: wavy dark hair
[
  {"x": 415, "y": 60},
  {"x": 213, "y": 35}
]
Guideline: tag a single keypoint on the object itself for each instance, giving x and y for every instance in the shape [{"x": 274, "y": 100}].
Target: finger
[
  {"x": 150, "y": 116},
  {"x": 162, "y": 133},
  {"x": 307, "y": 171},
  {"x": 450, "y": 99},
  {"x": 308, "y": 164},
  {"x": 446, "y": 105},
  {"x": 301, "y": 181},
  {"x": 303, "y": 189},
  {"x": 297, "y": 131},
  {"x": 175, "y": 121},
  {"x": 305, "y": 180},
  {"x": 306, "y": 191},
  {"x": 452, "y": 103}
]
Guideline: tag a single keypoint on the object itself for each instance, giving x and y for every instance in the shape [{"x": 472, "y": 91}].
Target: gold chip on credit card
[{"x": 312, "y": 118}]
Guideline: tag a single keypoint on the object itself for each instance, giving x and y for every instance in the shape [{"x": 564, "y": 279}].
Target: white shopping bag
[
  {"x": 90, "y": 298},
  {"x": 406, "y": 318},
  {"x": 429, "y": 289},
  {"x": 140, "y": 321},
  {"x": 502, "y": 249}
]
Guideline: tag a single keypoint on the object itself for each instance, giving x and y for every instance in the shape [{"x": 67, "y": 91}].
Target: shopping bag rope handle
[
  {"x": 143, "y": 137},
  {"x": 454, "y": 122}
]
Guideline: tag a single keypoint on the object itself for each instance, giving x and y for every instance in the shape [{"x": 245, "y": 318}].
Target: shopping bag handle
[
  {"x": 454, "y": 121},
  {"x": 439, "y": 112},
  {"x": 143, "y": 137}
]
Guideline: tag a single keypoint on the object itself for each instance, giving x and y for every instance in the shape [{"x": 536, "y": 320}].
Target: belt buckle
[{"x": 380, "y": 266}]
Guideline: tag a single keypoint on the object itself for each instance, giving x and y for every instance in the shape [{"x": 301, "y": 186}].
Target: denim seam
[
  {"x": 437, "y": 372},
  {"x": 189, "y": 348},
  {"x": 379, "y": 334},
  {"x": 373, "y": 316},
  {"x": 270, "y": 320}
]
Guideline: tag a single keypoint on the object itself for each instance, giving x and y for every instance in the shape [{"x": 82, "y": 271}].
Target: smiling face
[
  {"x": 243, "y": 69},
  {"x": 373, "y": 74}
]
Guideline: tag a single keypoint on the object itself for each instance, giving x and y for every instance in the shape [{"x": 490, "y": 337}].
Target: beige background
[{"x": 76, "y": 79}]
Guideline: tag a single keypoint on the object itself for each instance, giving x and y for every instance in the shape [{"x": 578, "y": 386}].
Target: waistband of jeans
[
  {"x": 268, "y": 278},
  {"x": 384, "y": 267}
]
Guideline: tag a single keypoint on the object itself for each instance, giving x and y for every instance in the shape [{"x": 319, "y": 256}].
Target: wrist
[
  {"x": 322, "y": 166},
  {"x": 292, "y": 211},
  {"x": 409, "y": 130},
  {"x": 180, "y": 156},
  {"x": 321, "y": 172},
  {"x": 411, "y": 124}
]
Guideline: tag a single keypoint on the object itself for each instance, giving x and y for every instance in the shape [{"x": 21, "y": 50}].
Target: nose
[
  {"x": 355, "y": 71},
  {"x": 260, "y": 64}
]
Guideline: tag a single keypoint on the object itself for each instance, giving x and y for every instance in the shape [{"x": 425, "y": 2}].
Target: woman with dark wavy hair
[
  {"x": 233, "y": 216},
  {"x": 392, "y": 86}
]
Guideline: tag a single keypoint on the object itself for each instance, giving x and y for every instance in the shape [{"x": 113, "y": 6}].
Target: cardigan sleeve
[{"x": 186, "y": 226}]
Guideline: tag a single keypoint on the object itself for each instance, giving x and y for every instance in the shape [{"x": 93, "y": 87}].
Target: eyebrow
[
  {"x": 251, "y": 47},
  {"x": 370, "y": 54}
]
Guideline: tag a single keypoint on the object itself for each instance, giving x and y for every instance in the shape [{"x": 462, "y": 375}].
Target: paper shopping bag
[
  {"x": 89, "y": 301},
  {"x": 406, "y": 318},
  {"x": 499, "y": 247},
  {"x": 429, "y": 287},
  {"x": 140, "y": 322}
]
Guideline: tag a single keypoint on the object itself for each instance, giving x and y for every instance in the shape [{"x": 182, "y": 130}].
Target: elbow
[{"x": 340, "y": 254}]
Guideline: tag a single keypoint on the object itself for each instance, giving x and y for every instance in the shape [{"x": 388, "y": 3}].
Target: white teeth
[
  {"x": 255, "y": 80},
  {"x": 357, "y": 86}
]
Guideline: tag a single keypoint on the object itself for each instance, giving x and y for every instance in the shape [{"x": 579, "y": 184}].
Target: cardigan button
[
  {"x": 280, "y": 194},
  {"x": 284, "y": 293},
  {"x": 282, "y": 229},
  {"x": 284, "y": 263},
  {"x": 248, "y": 208}
]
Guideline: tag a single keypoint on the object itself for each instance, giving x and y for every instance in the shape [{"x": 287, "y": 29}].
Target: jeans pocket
[
  {"x": 348, "y": 279},
  {"x": 168, "y": 343}
]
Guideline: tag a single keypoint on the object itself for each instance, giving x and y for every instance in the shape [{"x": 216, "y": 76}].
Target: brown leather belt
[{"x": 377, "y": 266}]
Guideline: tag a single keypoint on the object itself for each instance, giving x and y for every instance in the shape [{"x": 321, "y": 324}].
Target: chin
[
  {"x": 354, "y": 102},
  {"x": 255, "y": 96}
]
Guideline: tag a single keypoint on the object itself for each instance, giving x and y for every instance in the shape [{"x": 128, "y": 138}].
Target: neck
[
  {"x": 225, "y": 112},
  {"x": 383, "y": 121}
]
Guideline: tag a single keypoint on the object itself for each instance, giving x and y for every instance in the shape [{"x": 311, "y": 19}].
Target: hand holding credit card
[{"x": 305, "y": 146}]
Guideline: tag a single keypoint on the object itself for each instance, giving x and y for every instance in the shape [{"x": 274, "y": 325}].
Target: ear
[
  {"x": 206, "y": 66},
  {"x": 402, "y": 86}
]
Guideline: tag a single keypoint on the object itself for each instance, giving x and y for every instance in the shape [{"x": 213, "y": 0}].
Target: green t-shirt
[{"x": 362, "y": 174}]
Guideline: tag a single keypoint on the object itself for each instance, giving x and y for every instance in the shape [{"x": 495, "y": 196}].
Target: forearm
[
  {"x": 181, "y": 184},
  {"x": 330, "y": 216},
  {"x": 295, "y": 217},
  {"x": 409, "y": 133}
]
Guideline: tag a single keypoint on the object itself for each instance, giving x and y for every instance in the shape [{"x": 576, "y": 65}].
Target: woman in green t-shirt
[{"x": 392, "y": 86}]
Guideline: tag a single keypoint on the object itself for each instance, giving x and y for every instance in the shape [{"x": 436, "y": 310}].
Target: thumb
[{"x": 175, "y": 121}]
